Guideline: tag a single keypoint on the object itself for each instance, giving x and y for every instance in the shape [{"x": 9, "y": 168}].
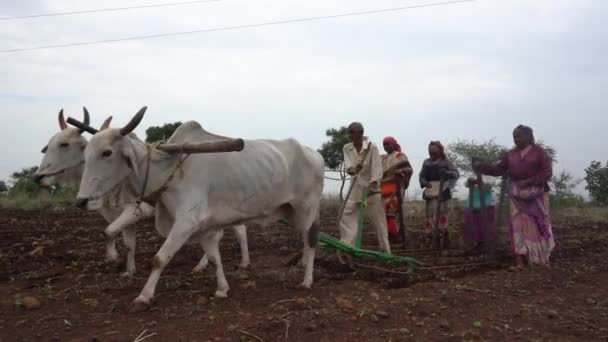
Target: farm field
[{"x": 56, "y": 256}]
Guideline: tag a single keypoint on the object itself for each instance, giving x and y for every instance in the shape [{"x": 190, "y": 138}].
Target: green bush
[
  {"x": 567, "y": 201},
  {"x": 41, "y": 199}
]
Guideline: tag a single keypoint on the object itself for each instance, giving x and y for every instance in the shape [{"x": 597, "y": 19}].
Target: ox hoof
[
  {"x": 113, "y": 258},
  {"x": 139, "y": 305},
  {"x": 127, "y": 275},
  {"x": 221, "y": 294},
  {"x": 199, "y": 269},
  {"x": 304, "y": 286}
]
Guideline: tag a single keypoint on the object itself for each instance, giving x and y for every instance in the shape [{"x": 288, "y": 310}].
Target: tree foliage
[
  {"x": 562, "y": 190},
  {"x": 161, "y": 133},
  {"x": 3, "y": 186},
  {"x": 551, "y": 151},
  {"x": 332, "y": 152},
  {"x": 564, "y": 183},
  {"x": 462, "y": 152},
  {"x": 597, "y": 182},
  {"x": 22, "y": 181}
]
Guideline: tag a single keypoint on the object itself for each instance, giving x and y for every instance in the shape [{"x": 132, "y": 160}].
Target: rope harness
[{"x": 154, "y": 196}]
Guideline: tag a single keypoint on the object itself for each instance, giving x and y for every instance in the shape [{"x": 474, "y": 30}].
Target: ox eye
[
  {"x": 65, "y": 144},
  {"x": 106, "y": 153}
]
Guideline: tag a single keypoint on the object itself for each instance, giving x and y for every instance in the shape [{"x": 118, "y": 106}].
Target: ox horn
[
  {"x": 81, "y": 126},
  {"x": 87, "y": 119},
  {"x": 62, "y": 123},
  {"x": 130, "y": 127}
]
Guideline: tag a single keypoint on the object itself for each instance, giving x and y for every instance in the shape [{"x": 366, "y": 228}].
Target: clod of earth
[
  {"x": 300, "y": 303},
  {"x": 201, "y": 301},
  {"x": 444, "y": 324},
  {"x": 31, "y": 303},
  {"x": 48, "y": 243},
  {"x": 250, "y": 285},
  {"x": 38, "y": 251},
  {"x": 344, "y": 304},
  {"x": 552, "y": 314},
  {"x": 382, "y": 314}
]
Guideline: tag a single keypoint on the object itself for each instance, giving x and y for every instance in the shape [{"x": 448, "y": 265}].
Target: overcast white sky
[{"x": 471, "y": 71}]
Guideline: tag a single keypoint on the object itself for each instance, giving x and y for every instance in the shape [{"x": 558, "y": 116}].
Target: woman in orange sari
[{"x": 394, "y": 164}]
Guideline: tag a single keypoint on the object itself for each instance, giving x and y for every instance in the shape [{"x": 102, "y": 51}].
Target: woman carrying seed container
[{"x": 437, "y": 172}]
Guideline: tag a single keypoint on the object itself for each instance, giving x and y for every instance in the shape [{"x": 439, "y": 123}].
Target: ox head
[
  {"x": 63, "y": 153},
  {"x": 109, "y": 159}
]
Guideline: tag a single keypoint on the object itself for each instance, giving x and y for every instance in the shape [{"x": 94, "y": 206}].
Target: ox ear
[
  {"x": 62, "y": 124},
  {"x": 128, "y": 152},
  {"x": 106, "y": 124}
]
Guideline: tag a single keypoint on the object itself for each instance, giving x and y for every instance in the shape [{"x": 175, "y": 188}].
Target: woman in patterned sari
[
  {"x": 394, "y": 164},
  {"x": 529, "y": 169}
]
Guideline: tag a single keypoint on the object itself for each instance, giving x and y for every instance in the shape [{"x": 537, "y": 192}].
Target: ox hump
[{"x": 192, "y": 131}]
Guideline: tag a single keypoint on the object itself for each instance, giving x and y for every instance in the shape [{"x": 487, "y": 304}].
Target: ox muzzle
[
  {"x": 81, "y": 203},
  {"x": 37, "y": 178}
]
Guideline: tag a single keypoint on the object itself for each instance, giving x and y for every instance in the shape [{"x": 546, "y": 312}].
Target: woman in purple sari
[{"x": 529, "y": 169}]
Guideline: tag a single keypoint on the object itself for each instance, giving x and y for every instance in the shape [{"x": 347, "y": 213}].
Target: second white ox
[{"x": 266, "y": 181}]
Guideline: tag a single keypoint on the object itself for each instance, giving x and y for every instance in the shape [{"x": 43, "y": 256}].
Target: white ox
[
  {"x": 266, "y": 181},
  {"x": 63, "y": 164}
]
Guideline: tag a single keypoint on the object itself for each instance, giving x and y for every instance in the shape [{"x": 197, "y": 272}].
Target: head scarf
[
  {"x": 393, "y": 142},
  {"x": 440, "y": 146},
  {"x": 528, "y": 132}
]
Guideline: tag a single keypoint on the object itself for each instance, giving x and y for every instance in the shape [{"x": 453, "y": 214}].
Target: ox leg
[
  {"x": 179, "y": 234},
  {"x": 129, "y": 216},
  {"x": 129, "y": 238},
  {"x": 210, "y": 243},
  {"x": 241, "y": 235},
  {"x": 308, "y": 256},
  {"x": 111, "y": 252},
  {"x": 202, "y": 264},
  {"x": 309, "y": 226}
]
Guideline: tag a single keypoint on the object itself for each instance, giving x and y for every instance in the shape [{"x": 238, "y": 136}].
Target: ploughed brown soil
[{"x": 58, "y": 258}]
